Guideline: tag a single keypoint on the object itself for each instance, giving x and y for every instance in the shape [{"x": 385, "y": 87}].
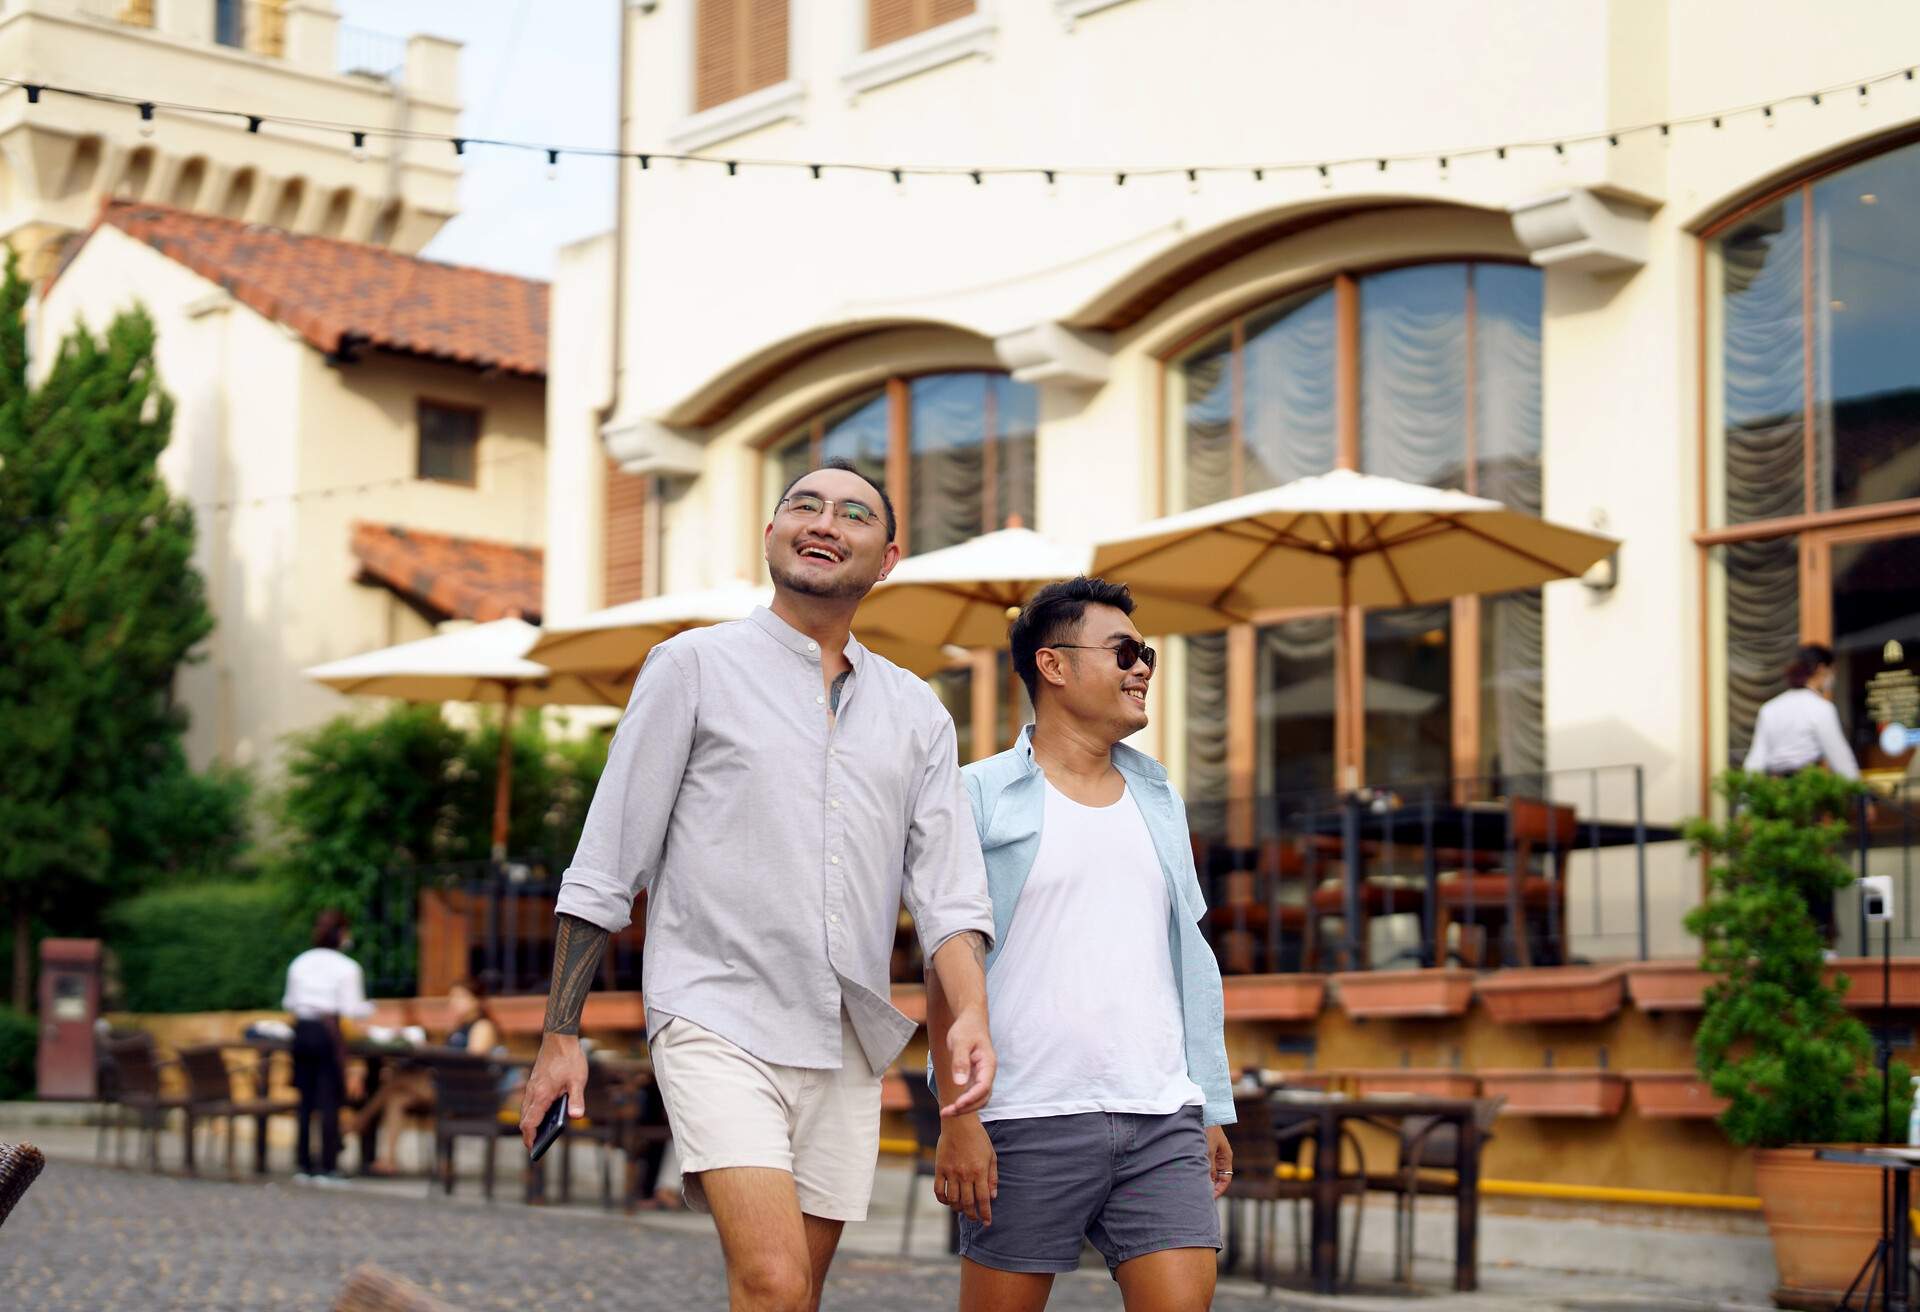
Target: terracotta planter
[
  {"x": 1552, "y": 993},
  {"x": 1557, "y": 1091},
  {"x": 1864, "y": 985},
  {"x": 1274, "y": 997},
  {"x": 1428, "y": 1082},
  {"x": 1366, "y": 994},
  {"x": 1824, "y": 1220},
  {"x": 1668, "y": 985},
  {"x": 1673, "y": 1095}
]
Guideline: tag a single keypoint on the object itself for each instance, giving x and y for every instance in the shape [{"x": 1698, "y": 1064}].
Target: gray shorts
[{"x": 1130, "y": 1184}]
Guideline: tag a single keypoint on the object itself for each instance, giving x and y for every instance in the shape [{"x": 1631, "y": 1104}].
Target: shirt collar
[
  {"x": 799, "y": 643},
  {"x": 1125, "y": 758}
]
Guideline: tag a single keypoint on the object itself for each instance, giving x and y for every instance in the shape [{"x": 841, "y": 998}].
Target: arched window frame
[{"x": 1241, "y": 642}]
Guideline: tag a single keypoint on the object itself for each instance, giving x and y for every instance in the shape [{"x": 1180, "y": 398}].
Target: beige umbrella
[
  {"x": 1345, "y": 540},
  {"x": 616, "y": 640},
  {"x": 484, "y": 663},
  {"x": 964, "y": 595}
]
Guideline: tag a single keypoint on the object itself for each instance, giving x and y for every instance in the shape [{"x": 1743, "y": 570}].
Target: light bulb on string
[
  {"x": 146, "y": 118},
  {"x": 1053, "y": 184},
  {"x": 1326, "y": 178},
  {"x": 1766, "y": 116},
  {"x": 899, "y": 184},
  {"x": 1445, "y": 173},
  {"x": 1193, "y": 182},
  {"x": 360, "y": 147},
  {"x": 1862, "y": 102},
  {"x": 553, "y": 165}
]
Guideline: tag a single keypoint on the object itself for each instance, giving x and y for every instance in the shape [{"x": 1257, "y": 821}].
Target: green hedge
[
  {"x": 19, "y": 1038},
  {"x": 207, "y": 947}
]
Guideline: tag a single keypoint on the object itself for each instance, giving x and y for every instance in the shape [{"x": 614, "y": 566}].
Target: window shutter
[
  {"x": 626, "y": 530},
  {"x": 739, "y": 46},
  {"x": 892, "y": 20}
]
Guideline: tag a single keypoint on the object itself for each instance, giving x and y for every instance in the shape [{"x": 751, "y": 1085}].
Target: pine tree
[{"x": 99, "y": 606}]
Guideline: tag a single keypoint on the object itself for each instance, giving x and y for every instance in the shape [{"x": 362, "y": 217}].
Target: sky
[{"x": 530, "y": 70}]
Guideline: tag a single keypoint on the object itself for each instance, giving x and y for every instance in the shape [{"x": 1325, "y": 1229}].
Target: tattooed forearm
[{"x": 578, "y": 946}]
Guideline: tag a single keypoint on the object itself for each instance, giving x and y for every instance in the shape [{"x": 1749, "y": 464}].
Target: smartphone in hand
[{"x": 550, "y": 1127}]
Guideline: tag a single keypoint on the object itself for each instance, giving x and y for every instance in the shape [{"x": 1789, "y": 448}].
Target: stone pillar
[{"x": 433, "y": 69}]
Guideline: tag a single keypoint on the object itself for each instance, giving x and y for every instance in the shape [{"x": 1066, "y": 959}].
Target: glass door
[{"x": 1864, "y": 602}]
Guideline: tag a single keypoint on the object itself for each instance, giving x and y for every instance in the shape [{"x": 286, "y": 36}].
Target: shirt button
[
  {"x": 833, "y": 920},
  {"x": 813, "y": 646},
  {"x": 835, "y": 804},
  {"x": 819, "y": 701},
  {"x": 836, "y": 860}
]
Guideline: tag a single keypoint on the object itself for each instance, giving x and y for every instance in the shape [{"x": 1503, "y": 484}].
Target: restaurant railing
[{"x": 1883, "y": 827}]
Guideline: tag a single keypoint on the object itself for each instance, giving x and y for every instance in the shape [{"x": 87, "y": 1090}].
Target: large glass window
[
  {"x": 961, "y": 443},
  {"x": 1445, "y": 379}
]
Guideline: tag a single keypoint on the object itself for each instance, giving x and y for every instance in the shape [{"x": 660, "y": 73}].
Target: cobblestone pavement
[{"x": 89, "y": 1239}]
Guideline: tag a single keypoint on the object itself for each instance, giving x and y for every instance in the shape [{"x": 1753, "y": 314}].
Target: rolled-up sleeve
[
  {"x": 946, "y": 880},
  {"x": 626, "y": 827}
]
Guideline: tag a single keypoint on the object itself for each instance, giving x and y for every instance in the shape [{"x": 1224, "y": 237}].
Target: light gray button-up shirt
[{"x": 774, "y": 844}]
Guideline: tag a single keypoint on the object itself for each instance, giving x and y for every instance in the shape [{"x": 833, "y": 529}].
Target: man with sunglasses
[
  {"x": 777, "y": 790},
  {"x": 1104, "y": 1121}
]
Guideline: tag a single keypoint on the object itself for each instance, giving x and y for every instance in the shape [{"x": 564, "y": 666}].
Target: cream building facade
[
  {"x": 61, "y": 156},
  {"x": 358, "y": 476},
  {"x": 1647, "y": 336}
]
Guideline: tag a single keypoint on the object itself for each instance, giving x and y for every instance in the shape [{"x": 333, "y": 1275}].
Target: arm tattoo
[
  {"x": 978, "y": 945},
  {"x": 577, "y": 948}
]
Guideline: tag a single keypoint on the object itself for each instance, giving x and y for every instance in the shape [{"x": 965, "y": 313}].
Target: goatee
[{"x": 844, "y": 588}]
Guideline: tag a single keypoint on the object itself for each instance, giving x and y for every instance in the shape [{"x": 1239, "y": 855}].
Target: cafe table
[{"x": 1328, "y": 1113}]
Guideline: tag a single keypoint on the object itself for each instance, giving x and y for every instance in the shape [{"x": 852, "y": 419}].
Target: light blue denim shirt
[{"x": 1008, "y": 793}]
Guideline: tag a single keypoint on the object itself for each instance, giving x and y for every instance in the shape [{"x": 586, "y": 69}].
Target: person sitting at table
[{"x": 410, "y": 1092}]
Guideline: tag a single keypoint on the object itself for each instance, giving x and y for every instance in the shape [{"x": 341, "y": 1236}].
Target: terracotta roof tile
[
  {"x": 340, "y": 294},
  {"x": 461, "y": 578}
]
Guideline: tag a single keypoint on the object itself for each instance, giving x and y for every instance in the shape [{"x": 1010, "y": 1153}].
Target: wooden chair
[
  {"x": 369, "y": 1289},
  {"x": 1250, "y": 922},
  {"x": 1260, "y": 1144},
  {"x": 210, "y": 1098},
  {"x": 20, "y": 1166},
  {"x": 467, "y": 1101},
  {"x": 610, "y": 1120},
  {"x": 1378, "y": 897},
  {"x": 1516, "y": 899},
  {"x": 141, "y": 1092},
  {"x": 1429, "y": 1164}
]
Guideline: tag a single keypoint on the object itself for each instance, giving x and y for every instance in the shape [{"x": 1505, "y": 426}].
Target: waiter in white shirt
[
  {"x": 324, "y": 985},
  {"x": 1800, "y": 727}
]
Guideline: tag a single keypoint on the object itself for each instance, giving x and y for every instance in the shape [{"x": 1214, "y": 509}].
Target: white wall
[{"x": 579, "y": 387}]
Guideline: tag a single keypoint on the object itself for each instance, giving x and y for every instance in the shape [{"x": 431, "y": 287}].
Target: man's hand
[
  {"x": 970, "y": 1063},
  {"x": 1222, "y": 1158},
  {"x": 560, "y": 1071},
  {"x": 966, "y": 1172}
]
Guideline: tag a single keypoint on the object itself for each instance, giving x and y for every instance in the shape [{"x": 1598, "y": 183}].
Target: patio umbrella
[
  {"x": 964, "y": 595},
  {"x": 484, "y": 663},
  {"x": 1343, "y": 539},
  {"x": 616, "y": 640}
]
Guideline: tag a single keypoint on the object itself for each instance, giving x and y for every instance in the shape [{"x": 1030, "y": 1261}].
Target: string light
[
  {"x": 360, "y": 147},
  {"x": 1717, "y": 119},
  {"x": 553, "y": 165}
]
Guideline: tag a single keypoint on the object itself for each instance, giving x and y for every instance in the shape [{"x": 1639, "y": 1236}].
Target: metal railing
[{"x": 1310, "y": 880}]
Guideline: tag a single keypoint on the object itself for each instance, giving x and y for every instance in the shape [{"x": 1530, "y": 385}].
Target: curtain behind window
[
  {"x": 1288, "y": 376},
  {"x": 1763, "y": 628},
  {"x": 1413, "y": 374},
  {"x": 1206, "y": 782},
  {"x": 948, "y": 461},
  {"x": 1763, "y": 361},
  {"x": 1207, "y": 423}
]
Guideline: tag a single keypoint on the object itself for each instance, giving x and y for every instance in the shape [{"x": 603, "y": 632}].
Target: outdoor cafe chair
[
  {"x": 1542, "y": 833},
  {"x": 1429, "y": 1165},
  {"x": 1260, "y": 1144},
  {"x": 20, "y": 1165},
  {"x": 467, "y": 1104},
  {"x": 210, "y": 1098},
  {"x": 611, "y": 1119},
  {"x": 141, "y": 1094}
]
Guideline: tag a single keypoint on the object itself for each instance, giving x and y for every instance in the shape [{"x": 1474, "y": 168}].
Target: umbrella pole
[{"x": 503, "y": 777}]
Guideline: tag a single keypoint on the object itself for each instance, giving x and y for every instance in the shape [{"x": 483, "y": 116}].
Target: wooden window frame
[
  {"x": 1817, "y": 530},
  {"x": 420, "y": 405},
  {"x": 1464, "y": 661}
]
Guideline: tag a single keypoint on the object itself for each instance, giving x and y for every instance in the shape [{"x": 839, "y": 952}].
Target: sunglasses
[{"x": 1126, "y": 651}]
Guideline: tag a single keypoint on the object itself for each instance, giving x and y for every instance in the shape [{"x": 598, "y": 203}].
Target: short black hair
[
  {"x": 1807, "y": 661},
  {"x": 847, "y": 467},
  {"x": 1054, "y": 615},
  {"x": 329, "y": 928}
]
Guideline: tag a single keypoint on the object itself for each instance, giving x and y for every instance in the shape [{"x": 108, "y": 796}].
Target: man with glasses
[
  {"x": 1104, "y": 1122},
  {"x": 776, "y": 789}
]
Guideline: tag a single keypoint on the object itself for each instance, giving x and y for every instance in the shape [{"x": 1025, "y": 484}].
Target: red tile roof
[
  {"x": 460, "y": 578},
  {"x": 340, "y": 295}
]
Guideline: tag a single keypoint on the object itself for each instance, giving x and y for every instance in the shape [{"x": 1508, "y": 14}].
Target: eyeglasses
[
  {"x": 1126, "y": 651},
  {"x": 807, "y": 506}
]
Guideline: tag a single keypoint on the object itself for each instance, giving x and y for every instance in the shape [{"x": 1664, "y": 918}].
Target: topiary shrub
[
  {"x": 207, "y": 947},
  {"x": 19, "y": 1042},
  {"x": 1776, "y": 1040}
]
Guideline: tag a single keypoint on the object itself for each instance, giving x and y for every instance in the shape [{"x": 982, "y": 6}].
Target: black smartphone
[{"x": 550, "y": 1127}]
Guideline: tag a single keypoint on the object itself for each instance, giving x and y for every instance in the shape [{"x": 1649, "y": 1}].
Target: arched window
[
  {"x": 1813, "y": 462},
  {"x": 1427, "y": 373},
  {"x": 188, "y": 183},
  {"x": 955, "y": 451}
]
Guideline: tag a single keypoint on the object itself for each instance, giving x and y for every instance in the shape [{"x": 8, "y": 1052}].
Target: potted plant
[{"x": 1775, "y": 1039}]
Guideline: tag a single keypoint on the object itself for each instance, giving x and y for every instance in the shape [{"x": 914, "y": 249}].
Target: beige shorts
[{"x": 729, "y": 1108}]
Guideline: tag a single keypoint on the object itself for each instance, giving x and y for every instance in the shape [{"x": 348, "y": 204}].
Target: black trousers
[{"x": 322, "y": 1086}]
